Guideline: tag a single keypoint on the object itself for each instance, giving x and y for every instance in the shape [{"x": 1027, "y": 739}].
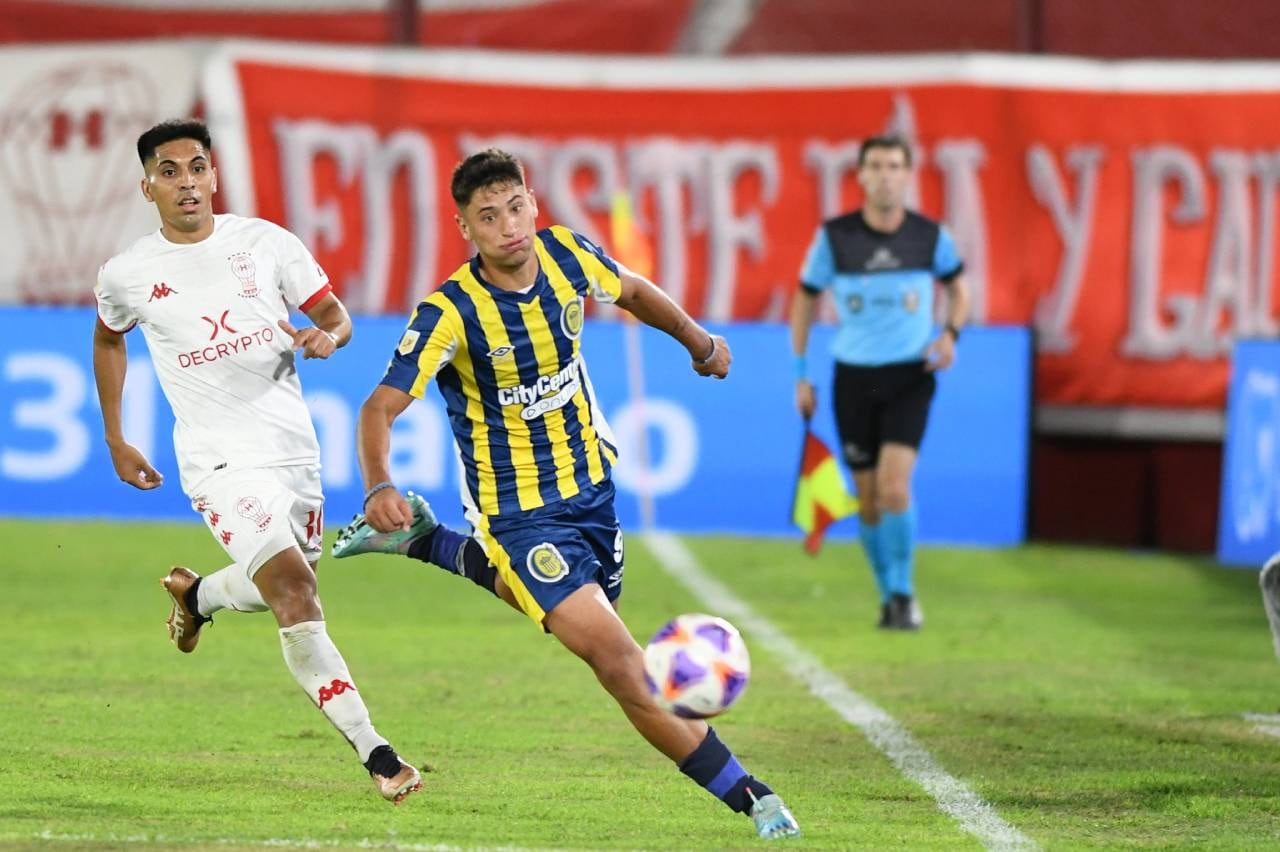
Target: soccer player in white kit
[{"x": 212, "y": 295}]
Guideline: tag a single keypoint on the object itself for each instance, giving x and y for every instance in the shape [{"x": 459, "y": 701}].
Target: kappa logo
[
  {"x": 333, "y": 690},
  {"x": 546, "y": 564},
  {"x": 214, "y": 517},
  {"x": 883, "y": 258},
  {"x": 571, "y": 318},
  {"x": 226, "y": 536},
  {"x": 161, "y": 291}
]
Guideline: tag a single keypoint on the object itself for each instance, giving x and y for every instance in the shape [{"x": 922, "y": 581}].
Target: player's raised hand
[
  {"x": 314, "y": 342},
  {"x": 717, "y": 362},
  {"x": 388, "y": 510},
  {"x": 132, "y": 467}
]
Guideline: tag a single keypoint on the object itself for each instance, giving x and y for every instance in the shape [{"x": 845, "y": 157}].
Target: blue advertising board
[
  {"x": 723, "y": 455},
  {"x": 1249, "y": 514}
]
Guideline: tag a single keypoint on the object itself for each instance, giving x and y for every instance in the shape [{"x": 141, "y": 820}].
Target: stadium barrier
[
  {"x": 723, "y": 455},
  {"x": 1249, "y": 515}
]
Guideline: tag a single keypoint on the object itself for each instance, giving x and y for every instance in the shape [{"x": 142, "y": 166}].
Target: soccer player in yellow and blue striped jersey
[{"x": 501, "y": 339}]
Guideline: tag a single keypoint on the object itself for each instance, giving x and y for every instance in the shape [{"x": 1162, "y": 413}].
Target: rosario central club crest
[{"x": 243, "y": 268}]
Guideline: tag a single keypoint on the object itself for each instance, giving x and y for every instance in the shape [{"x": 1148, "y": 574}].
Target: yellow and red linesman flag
[
  {"x": 821, "y": 496},
  {"x": 630, "y": 245}
]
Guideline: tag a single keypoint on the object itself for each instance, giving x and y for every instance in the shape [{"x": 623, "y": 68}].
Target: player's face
[
  {"x": 181, "y": 181},
  {"x": 499, "y": 219},
  {"x": 884, "y": 174}
]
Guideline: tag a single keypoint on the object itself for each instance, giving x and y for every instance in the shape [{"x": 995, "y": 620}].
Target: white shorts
[{"x": 255, "y": 514}]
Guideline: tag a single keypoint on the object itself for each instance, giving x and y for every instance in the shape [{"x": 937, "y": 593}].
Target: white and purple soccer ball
[{"x": 696, "y": 665}]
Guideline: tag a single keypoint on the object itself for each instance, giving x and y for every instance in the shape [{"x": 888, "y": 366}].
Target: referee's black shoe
[{"x": 904, "y": 613}]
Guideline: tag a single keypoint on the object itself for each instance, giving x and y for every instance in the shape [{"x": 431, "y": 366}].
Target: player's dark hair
[
  {"x": 482, "y": 169},
  {"x": 887, "y": 141},
  {"x": 167, "y": 131}
]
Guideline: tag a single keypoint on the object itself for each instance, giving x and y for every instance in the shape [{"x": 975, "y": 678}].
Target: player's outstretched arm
[
  {"x": 332, "y": 329},
  {"x": 384, "y": 508},
  {"x": 110, "y": 360},
  {"x": 709, "y": 352}
]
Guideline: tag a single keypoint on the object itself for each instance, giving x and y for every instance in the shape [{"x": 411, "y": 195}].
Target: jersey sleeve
[
  {"x": 946, "y": 257},
  {"x": 114, "y": 311},
  {"x": 819, "y": 268},
  {"x": 603, "y": 280},
  {"x": 429, "y": 342},
  {"x": 302, "y": 281}
]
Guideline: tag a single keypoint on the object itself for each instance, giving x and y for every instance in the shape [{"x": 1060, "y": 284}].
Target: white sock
[
  {"x": 321, "y": 672},
  {"x": 229, "y": 588}
]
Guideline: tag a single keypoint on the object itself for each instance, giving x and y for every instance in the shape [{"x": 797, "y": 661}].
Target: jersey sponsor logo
[
  {"x": 549, "y": 393},
  {"x": 408, "y": 341},
  {"x": 882, "y": 258},
  {"x": 245, "y": 271},
  {"x": 234, "y": 346},
  {"x": 161, "y": 291},
  {"x": 546, "y": 564},
  {"x": 219, "y": 325},
  {"x": 251, "y": 509},
  {"x": 571, "y": 318}
]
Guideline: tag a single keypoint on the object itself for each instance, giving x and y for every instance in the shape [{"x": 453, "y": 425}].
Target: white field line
[
  {"x": 953, "y": 796},
  {"x": 1270, "y": 723}
]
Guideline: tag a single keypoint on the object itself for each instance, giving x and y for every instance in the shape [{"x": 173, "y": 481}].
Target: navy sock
[
  {"x": 457, "y": 554},
  {"x": 715, "y": 768}
]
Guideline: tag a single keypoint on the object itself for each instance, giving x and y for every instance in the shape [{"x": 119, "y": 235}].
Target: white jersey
[{"x": 208, "y": 311}]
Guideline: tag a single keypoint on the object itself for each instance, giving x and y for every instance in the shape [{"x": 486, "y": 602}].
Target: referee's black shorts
[{"x": 880, "y": 405}]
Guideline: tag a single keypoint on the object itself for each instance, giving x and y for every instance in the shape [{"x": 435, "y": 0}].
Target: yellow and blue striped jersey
[{"x": 508, "y": 364}]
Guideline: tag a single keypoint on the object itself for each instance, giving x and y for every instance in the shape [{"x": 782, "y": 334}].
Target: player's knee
[
  {"x": 894, "y": 497},
  {"x": 618, "y": 669}
]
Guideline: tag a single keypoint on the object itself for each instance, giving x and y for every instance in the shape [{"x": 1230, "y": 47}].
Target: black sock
[
  {"x": 458, "y": 554},
  {"x": 383, "y": 761},
  {"x": 192, "y": 600},
  {"x": 477, "y": 568},
  {"x": 714, "y": 767}
]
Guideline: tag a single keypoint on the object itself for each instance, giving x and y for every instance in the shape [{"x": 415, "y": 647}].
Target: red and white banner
[
  {"x": 69, "y": 172},
  {"x": 1127, "y": 210}
]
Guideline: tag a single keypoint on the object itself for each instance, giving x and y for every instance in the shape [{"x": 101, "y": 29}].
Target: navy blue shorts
[{"x": 547, "y": 554}]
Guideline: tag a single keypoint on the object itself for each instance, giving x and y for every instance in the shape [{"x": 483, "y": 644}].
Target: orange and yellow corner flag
[
  {"x": 821, "y": 496},
  {"x": 630, "y": 245}
]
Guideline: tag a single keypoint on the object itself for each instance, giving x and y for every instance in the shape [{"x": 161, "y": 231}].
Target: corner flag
[
  {"x": 821, "y": 496},
  {"x": 630, "y": 245}
]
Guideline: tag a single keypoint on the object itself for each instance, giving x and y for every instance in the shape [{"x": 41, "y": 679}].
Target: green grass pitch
[{"x": 1093, "y": 698}]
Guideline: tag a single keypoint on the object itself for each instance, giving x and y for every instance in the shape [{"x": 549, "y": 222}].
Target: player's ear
[
  {"x": 214, "y": 186},
  {"x": 146, "y": 188},
  {"x": 462, "y": 226},
  {"x": 533, "y": 203}
]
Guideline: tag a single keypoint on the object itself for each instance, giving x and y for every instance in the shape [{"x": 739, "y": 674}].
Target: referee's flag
[
  {"x": 630, "y": 245},
  {"x": 821, "y": 496}
]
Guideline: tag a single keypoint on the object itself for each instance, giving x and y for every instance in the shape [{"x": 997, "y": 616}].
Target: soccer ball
[{"x": 696, "y": 665}]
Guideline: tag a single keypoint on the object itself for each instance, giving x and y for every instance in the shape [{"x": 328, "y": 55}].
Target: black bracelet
[{"x": 955, "y": 331}]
